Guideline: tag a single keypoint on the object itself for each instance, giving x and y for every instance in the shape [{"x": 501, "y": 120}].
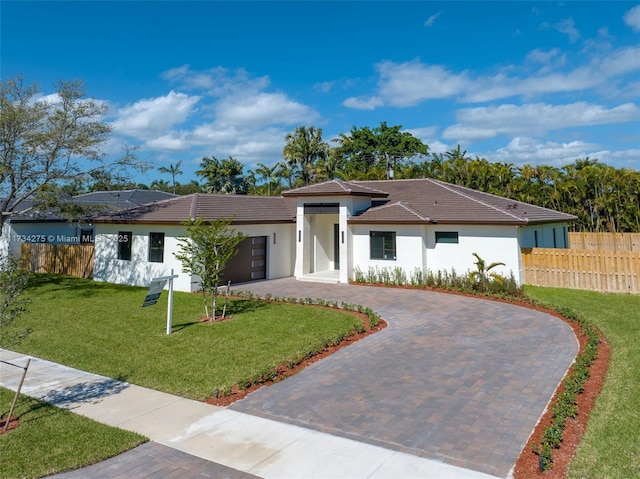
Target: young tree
[
  {"x": 50, "y": 141},
  {"x": 13, "y": 281},
  {"x": 483, "y": 273},
  {"x": 205, "y": 251}
]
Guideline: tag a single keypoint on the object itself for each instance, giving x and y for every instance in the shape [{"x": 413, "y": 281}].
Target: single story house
[
  {"x": 324, "y": 231},
  {"x": 32, "y": 224}
]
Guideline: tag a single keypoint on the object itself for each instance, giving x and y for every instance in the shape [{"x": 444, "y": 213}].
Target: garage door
[{"x": 250, "y": 263}]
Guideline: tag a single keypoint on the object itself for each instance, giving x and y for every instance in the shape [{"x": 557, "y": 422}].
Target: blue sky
[{"x": 518, "y": 82}]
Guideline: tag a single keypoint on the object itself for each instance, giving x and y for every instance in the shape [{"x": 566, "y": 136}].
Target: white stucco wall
[
  {"x": 410, "y": 251},
  {"x": 416, "y": 248},
  {"x": 491, "y": 243},
  {"x": 139, "y": 271}
]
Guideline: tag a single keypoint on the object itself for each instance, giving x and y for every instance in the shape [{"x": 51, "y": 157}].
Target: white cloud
[
  {"x": 488, "y": 122},
  {"x": 410, "y": 83},
  {"x": 363, "y": 102},
  {"x": 170, "y": 142},
  {"x": 262, "y": 109},
  {"x": 632, "y": 18},
  {"x": 568, "y": 28},
  {"x": 151, "y": 118},
  {"x": 407, "y": 84},
  {"x": 521, "y": 150},
  {"x": 218, "y": 81},
  {"x": 431, "y": 20}
]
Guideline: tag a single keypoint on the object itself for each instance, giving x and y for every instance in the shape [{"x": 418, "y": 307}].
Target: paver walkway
[{"x": 457, "y": 379}]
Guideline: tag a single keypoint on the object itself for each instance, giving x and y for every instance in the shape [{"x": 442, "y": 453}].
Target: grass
[
  {"x": 102, "y": 328},
  {"x": 50, "y": 440},
  {"x": 609, "y": 448}
]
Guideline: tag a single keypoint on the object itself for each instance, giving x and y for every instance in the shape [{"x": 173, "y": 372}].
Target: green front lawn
[
  {"x": 610, "y": 448},
  {"x": 51, "y": 440},
  {"x": 102, "y": 328}
]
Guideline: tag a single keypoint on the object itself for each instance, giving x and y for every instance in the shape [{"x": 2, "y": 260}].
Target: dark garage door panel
[{"x": 250, "y": 263}]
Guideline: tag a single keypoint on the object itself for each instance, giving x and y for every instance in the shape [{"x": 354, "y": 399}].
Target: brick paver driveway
[{"x": 458, "y": 379}]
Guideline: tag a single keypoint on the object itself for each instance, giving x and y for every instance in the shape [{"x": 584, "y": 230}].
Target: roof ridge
[
  {"x": 406, "y": 206},
  {"x": 402, "y": 205},
  {"x": 446, "y": 186},
  {"x": 194, "y": 206}
]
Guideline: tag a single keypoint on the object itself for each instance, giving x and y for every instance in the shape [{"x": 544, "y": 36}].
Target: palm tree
[
  {"x": 268, "y": 173},
  {"x": 482, "y": 274},
  {"x": 159, "y": 185},
  {"x": 173, "y": 171},
  {"x": 304, "y": 148},
  {"x": 223, "y": 177}
]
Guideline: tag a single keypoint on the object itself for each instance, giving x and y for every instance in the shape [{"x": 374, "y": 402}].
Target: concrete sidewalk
[{"x": 244, "y": 442}]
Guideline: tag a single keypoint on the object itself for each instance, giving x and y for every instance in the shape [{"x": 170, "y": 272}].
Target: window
[
  {"x": 125, "y": 239},
  {"x": 447, "y": 237},
  {"x": 555, "y": 242},
  {"x": 535, "y": 238},
  {"x": 383, "y": 244},
  {"x": 156, "y": 247}
]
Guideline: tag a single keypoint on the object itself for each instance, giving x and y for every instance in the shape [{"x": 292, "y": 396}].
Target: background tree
[
  {"x": 173, "y": 171},
  {"x": 377, "y": 154},
  {"x": 160, "y": 185},
  {"x": 271, "y": 175},
  {"x": 304, "y": 148},
  {"x": 222, "y": 176},
  {"x": 48, "y": 142},
  {"x": 205, "y": 252}
]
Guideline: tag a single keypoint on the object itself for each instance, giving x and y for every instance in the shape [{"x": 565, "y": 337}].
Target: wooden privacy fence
[
  {"x": 605, "y": 241},
  {"x": 70, "y": 259},
  {"x": 605, "y": 271}
]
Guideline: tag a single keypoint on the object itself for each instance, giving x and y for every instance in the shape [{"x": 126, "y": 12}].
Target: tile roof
[
  {"x": 421, "y": 201},
  {"x": 97, "y": 201},
  {"x": 123, "y": 198},
  {"x": 337, "y": 188},
  {"x": 440, "y": 202},
  {"x": 244, "y": 209}
]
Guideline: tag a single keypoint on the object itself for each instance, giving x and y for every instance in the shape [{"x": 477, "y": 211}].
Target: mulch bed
[{"x": 12, "y": 424}]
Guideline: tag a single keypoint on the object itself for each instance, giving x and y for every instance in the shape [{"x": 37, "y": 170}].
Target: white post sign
[{"x": 155, "y": 290}]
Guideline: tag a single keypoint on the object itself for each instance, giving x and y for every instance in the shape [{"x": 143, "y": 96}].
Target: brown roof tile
[
  {"x": 336, "y": 188},
  {"x": 442, "y": 202},
  {"x": 244, "y": 209}
]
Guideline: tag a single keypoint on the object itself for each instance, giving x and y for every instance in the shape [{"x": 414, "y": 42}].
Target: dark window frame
[
  {"x": 382, "y": 245},
  {"x": 447, "y": 237},
  {"x": 125, "y": 245},
  {"x": 156, "y": 249}
]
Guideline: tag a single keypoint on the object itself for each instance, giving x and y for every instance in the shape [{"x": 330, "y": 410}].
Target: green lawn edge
[
  {"x": 50, "y": 440},
  {"x": 609, "y": 447}
]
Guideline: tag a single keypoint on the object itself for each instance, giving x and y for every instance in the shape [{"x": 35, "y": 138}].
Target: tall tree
[
  {"x": 51, "y": 141},
  {"x": 222, "y": 176},
  {"x": 377, "y": 153},
  {"x": 270, "y": 174},
  {"x": 173, "y": 171},
  {"x": 303, "y": 149}
]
